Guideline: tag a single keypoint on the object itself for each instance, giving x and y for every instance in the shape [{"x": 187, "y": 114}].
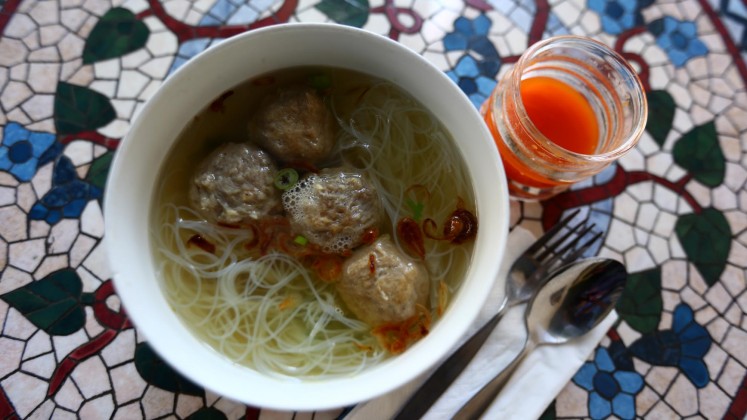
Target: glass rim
[{"x": 583, "y": 44}]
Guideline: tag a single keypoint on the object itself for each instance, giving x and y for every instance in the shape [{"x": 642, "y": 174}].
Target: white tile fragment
[
  {"x": 91, "y": 377},
  {"x": 157, "y": 402},
  {"x": 92, "y": 220},
  {"x": 12, "y": 350},
  {"x": 27, "y": 255},
  {"x": 121, "y": 349},
  {"x": 50, "y": 264},
  {"x": 42, "y": 366},
  {"x": 128, "y": 412},
  {"x": 13, "y": 226},
  {"x": 80, "y": 249},
  {"x": 128, "y": 384},
  {"x": 24, "y": 391},
  {"x": 683, "y": 395},
  {"x": 39, "y": 343}
]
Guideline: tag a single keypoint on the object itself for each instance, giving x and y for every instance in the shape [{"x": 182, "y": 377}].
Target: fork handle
[
  {"x": 422, "y": 400},
  {"x": 481, "y": 401}
]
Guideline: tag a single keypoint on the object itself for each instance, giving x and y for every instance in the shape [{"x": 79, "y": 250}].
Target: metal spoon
[{"x": 576, "y": 298}]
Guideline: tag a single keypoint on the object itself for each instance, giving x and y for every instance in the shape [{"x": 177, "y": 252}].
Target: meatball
[
  {"x": 380, "y": 284},
  {"x": 333, "y": 209},
  {"x": 234, "y": 184},
  {"x": 294, "y": 125}
]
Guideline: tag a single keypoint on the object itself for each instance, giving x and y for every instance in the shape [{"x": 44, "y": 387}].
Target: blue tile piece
[
  {"x": 630, "y": 382},
  {"x": 736, "y": 8},
  {"x": 504, "y": 7},
  {"x": 523, "y": 19},
  {"x": 68, "y": 196},
  {"x": 22, "y": 151},
  {"x": 679, "y": 39},
  {"x": 610, "y": 392},
  {"x": 190, "y": 49},
  {"x": 219, "y": 13},
  {"x": 467, "y": 67},
  {"x": 243, "y": 15},
  {"x": 555, "y": 26},
  {"x": 193, "y": 47},
  {"x": 623, "y": 405},
  {"x": 210, "y": 20},
  {"x": 261, "y": 5},
  {"x": 606, "y": 385}
]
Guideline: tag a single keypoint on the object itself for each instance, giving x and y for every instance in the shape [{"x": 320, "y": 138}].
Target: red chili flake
[
  {"x": 372, "y": 263},
  {"x": 370, "y": 236},
  {"x": 201, "y": 243},
  {"x": 411, "y": 236},
  {"x": 396, "y": 336},
  {"x": 217, "y": 105}
]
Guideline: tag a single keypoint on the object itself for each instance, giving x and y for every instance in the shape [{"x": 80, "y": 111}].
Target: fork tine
[
  {"x": 551, "y": 248},
  {"x": 560, "y": 255},
  {"x": 539, "y": 243},
  {"x": 561, "y": 258},
  {"x": 580, "y": 250},
  {"x": 576, "y": 240}
]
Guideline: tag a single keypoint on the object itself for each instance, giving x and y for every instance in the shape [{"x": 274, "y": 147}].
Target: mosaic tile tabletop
[{"x": 74, "y": 73}]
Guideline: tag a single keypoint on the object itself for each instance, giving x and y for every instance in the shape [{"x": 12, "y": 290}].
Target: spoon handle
[
  {"x": 481, "y": 401},
  {"x": 422, "y": 400}
]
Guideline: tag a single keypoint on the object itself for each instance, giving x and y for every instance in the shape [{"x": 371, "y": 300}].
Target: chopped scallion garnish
[{"x": 286, "y": 178}]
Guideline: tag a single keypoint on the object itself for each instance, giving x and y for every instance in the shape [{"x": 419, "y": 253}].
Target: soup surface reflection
[{"x": 312, "y": 222}]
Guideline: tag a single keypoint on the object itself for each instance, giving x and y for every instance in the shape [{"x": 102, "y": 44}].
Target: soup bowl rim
[{"x": 131, "y": 185}]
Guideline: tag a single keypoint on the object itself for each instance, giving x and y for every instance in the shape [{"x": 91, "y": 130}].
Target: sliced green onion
[
  {"x": 286, "y": 178},
  {"x": 301, "y": 240},
  {"x": 416, "y": 208}
]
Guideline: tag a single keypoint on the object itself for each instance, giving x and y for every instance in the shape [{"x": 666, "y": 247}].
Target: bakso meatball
[
  {"x": 333, "y": 209},
  {"x": 234, "y": 184},
  {"x": 380, "y": 284},
  {"x": 294, "y": 125}
]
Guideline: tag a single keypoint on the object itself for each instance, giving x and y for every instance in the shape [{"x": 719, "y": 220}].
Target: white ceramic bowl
[{"x": 133, "y": 179}]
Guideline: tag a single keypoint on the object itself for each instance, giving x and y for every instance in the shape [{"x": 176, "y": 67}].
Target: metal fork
[{"x": 525, "y": 277}]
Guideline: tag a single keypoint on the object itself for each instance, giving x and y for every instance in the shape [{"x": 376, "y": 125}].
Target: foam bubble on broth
[{"x": 291, "y": 201}]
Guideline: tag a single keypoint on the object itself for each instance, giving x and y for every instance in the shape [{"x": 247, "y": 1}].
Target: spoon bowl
[{"x": 576, "y": 299}]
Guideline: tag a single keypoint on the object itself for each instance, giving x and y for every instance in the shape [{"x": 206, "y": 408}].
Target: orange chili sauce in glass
[{"x": 561, "y": 114}]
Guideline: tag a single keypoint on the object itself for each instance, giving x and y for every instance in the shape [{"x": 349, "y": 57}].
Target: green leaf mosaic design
[
  {"x": 99, "y": 170},
  {"x": 207, "y": 413},
  {"x": 706, "y": 239},
  {"x": 78, "y": 109},
  {"x": 156, "y": 372},
  {"x": 117, "y": 33},
  {"x": 52, "y": 304},
  {"x": 346, "y": 12},
  {"x": 661, "y": 109},
  {"x": 640, "y": 304},
  {"x": 699, "y": 152}
]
